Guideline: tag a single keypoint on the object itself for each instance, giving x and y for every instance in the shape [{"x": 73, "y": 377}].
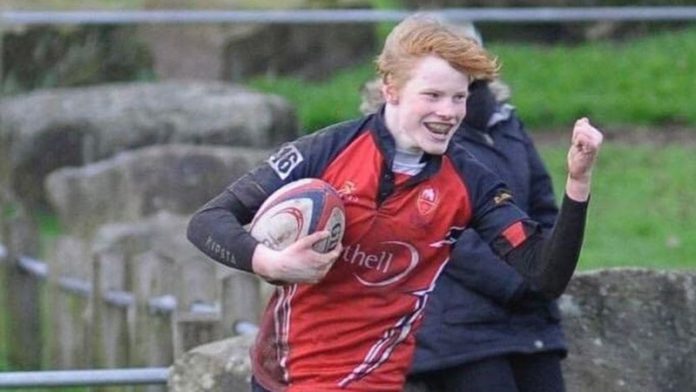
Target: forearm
[
  {"x": 217, "y": 230},
  {"x": 578, "y": 189}
]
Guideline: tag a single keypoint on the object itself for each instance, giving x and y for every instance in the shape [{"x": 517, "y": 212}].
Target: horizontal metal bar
[
  {"x": 33, "y": 266},
  {"x": 92, "y": 377},
  {"x": 205, "y": 308},
  {"x": 162, "y": 305},
  {"x": 118, "y": 298},
  {"x": 76, "y": 286},
  {"x": 509, "y": 15},
  {"x": 243, "y": 327},
  {"x": 166, "y": 304}
]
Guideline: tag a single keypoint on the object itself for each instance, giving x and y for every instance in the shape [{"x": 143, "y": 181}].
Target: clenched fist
[{"x": 585, "y": 144}]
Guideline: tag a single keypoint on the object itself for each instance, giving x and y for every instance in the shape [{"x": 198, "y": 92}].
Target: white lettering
[
  {"x": 379, "y": 262},
  {"x": 382, "y": 262},
  {"x": 219, "y": 251}
]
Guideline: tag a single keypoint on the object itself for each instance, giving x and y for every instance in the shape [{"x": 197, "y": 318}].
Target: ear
[{"x": 390, "y": 93}]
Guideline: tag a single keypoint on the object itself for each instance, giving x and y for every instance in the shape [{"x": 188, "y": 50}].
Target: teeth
[{"x": 438, "y": 127}]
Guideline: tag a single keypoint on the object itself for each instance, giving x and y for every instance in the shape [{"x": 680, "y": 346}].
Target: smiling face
[{"x": 424, "y": 112}]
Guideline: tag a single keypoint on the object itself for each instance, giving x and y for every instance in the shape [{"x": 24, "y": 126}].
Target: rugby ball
[{"x": 298, "y": 209}]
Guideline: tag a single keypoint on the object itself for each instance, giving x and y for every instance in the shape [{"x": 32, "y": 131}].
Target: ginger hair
[{"x": 421, "y": 35}]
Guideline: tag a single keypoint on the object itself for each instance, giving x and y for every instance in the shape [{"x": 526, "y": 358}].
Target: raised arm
[{"x": 548, "y": 262}]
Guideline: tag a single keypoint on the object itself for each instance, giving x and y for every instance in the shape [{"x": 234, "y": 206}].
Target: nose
[{"x": 448, "y": 110}]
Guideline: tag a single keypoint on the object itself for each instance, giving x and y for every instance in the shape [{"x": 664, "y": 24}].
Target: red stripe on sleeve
[{"x": 515, "y": 234}]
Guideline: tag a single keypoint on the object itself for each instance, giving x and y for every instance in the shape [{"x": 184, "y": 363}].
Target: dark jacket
[{"x": 482, "y": 307}]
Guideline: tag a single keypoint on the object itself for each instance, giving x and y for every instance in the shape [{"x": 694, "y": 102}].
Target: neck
[{"x": 391, "y": 120}]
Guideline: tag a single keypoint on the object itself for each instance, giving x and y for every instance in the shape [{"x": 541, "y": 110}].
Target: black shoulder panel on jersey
[{"x": 306, "y": 157}]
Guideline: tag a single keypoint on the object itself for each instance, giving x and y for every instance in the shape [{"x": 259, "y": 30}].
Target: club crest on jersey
[
  {"x": 285, "y": 160},
  {"x": 427, "y": 200},
  {"x": 347, "y": 191}
]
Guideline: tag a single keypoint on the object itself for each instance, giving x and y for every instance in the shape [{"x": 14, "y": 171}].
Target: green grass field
[
  {"x": 641, "y": 212},
  {"x": 643, "y": 81}
]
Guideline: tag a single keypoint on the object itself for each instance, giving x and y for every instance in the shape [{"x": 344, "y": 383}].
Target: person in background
[
  {"x": 485, "y": 329},
  {"x": 345, "y": 320}
]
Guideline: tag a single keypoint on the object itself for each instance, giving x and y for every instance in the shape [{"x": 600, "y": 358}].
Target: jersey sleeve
[{"x": 496, "y": 217}]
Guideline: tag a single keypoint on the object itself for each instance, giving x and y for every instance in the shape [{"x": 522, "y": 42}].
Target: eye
[
  {"x": 431, "y": 94},
  {"x": 460, "y": 98}
]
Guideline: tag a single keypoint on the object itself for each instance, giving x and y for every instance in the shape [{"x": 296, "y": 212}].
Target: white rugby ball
[{"x": 298, "y": 209}]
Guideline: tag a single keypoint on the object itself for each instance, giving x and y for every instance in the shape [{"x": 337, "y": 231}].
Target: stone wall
[{"x": 49, "y": 129}]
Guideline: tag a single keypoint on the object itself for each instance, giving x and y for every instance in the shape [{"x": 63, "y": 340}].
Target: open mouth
[{"x": 440, "y": 129}]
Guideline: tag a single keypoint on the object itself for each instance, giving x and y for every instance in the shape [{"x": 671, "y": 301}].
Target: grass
[
  {"x": 321, "y": 104},
  {"x": 646, "y": 81},
  {"x": 641, "y": 211}
]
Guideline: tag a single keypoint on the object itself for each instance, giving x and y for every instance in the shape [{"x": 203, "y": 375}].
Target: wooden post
[
  {"x": 69, "y": 288},
  {"x": 241, "y": 300},
  {"x": 154, "y": 283},
  {"x": 110, "y": 311},
  {"x": 198, "y": 287},
  {"x": 151, "y": 341},
  {"x": 22, "y": 290},
  {"x": 194, "y": 329}
]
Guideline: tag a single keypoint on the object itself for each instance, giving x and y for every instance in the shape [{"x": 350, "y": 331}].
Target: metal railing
[
  {"x": 123, "y": 299},
  {"x": 501, "y": 15},
  {"x": 87, "y": 377},
  {"x": 101, "y": 377},
  {"x": 163, "y": 304}
]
